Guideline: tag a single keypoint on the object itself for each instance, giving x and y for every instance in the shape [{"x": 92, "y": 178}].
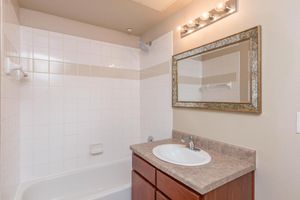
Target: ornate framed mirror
[{"x": 224, "y": 75}]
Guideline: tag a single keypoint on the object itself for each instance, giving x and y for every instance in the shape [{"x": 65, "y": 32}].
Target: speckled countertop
[{"x": 228, "y": 163}]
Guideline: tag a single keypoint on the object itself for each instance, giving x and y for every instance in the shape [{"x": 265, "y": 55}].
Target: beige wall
[
  {"x": 62, "y": 25},
  {"x": 273, "y": 133}
]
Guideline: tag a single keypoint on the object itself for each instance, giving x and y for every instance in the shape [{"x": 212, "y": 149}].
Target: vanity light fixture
[
  {"x": 222, "y": 10},
  {"x": 221, "y": 7},
  {"x": 191, "y": 22},
  {"x": 179, "y": 28},
  {"x": 205, "y": 16}
]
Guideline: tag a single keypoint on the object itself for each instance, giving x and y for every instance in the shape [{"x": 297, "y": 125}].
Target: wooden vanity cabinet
[
  {"x": 149, "y": 183},
  {"x": 142, "y": 190}
]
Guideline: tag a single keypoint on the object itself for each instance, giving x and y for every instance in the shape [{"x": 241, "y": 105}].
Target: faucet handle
[
  {"x": 186, "y": 139},
  {"x": 182, "y": 139}
]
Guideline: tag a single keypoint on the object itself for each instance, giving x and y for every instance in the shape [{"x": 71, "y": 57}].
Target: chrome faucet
[{"x": 189, "y": 143}]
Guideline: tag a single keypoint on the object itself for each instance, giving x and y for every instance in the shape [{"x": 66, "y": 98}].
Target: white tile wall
[
  {"x": 56, "y": 47},
  {"x": 10, "y": 137},
  {"x": 46, "y": 45},
  {"x": 156, "y": 108},
  {"x": 61, "y": 122},
  {"x": 155, "y": 92},
  {"x": 61, "y": 115},
  {"x": 160, "y": 51}
]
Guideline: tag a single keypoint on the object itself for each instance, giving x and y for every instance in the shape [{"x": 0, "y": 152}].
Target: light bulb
[
  {"x": 191, "y": 22},
  {"x": 220, "y": 7},
  {"x": 179, "y": 28},
  {"x": 205, "y": 16}
]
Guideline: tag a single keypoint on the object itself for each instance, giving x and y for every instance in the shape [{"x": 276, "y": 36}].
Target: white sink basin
[{"x": 181, "y": 155}]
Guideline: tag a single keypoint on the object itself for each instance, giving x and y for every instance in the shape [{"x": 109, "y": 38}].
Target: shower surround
[
  {"x": 79, "y": 92},
  {"x": 82, "y": 92}
]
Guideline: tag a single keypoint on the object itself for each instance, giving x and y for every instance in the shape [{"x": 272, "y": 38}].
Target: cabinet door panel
[
  {"x": 238, "y": 189},
  {"x": 160, "y": 196},
  {"x": 143, "y": 168},
  {"x": 173, "y": 189},
  {"x": 141, "y": 189}
]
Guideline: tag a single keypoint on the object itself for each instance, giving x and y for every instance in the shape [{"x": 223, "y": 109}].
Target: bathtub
[{"x": 105, "y": 182}]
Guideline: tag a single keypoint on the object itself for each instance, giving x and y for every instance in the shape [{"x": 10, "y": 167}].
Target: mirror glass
[{"x": 220, "y": 75}]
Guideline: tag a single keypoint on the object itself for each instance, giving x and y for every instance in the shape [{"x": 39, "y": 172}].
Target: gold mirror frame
[{"x": 254, "y": 106}]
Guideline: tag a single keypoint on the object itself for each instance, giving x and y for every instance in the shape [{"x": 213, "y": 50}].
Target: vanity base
[{"x": 149, "y": 183}]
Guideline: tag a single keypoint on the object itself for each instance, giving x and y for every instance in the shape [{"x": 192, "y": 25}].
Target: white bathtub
[{"x": 106, "y": 182}]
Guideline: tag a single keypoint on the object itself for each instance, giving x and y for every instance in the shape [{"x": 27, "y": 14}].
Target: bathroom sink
[{"x": 181, "y": 155}]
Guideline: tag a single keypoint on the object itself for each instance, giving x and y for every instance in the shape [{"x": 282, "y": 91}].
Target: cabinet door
[
  {"x": 173, "y": 189},
  {"x": 141, "y": 189},
  {"x": 160, "y": 196},
  {"x": 143, "y": 168}
]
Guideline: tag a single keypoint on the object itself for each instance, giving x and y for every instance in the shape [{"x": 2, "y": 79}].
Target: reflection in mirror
[{"x": 220, "y": 75}]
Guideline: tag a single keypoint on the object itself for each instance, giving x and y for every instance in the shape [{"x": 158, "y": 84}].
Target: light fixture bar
[{"x": 222, "y": 10}]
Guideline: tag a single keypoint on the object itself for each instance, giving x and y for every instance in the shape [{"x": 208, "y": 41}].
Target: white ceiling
[
  {"x": 158, "y": 5},
  {"x": 140, "y": 15}
]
